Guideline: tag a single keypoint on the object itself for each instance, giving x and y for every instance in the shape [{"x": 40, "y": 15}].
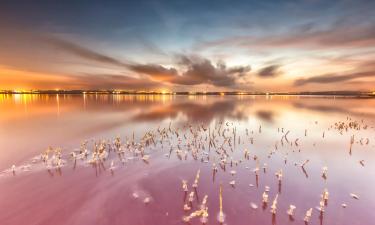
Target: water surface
[{"x": 80, "y": 194}]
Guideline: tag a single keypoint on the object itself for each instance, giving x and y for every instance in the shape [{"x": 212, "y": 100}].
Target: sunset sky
[{"x": 186, "y": 45}]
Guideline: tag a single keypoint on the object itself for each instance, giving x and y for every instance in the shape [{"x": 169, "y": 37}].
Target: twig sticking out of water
[
  {"x": 146, "y": 158},
  {"x": 274, "y": 205},
  {"x": 323, "y": 201},
  {"x": 279, "y": 175},
  {"x": 305, "y": 162},
  {"x": 325, "y": 195},
  {"x": 202, "y": 212},
  {"x": 291, "y": 209},
  {"x": 257, "y": 166},
  {"x": 191, "y": 198},
  {"x": 246, "y": 154},
  {"x": 265, "y": 197},
  {"x": 186, "y": 207},
  {"x": 354, "y": 196},
  {"x": 264, "y": 167},
  {"x": 185, "y": 186},
  {"x": 195, "y": 184},
  {"x": 351, "y": 144},
  {"x": 13, "y": 168},
  {"x": 221, "y": 213},
  {"x": 324, "y": 172},
  {"x": 204, "y": 209},
  {"x": 308, "y": 215}
]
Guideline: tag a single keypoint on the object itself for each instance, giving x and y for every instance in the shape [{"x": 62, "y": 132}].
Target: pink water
[{"x": 83, "y": 195}]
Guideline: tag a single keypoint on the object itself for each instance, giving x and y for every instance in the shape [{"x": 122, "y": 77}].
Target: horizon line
[{"x": 132, "y": 92}]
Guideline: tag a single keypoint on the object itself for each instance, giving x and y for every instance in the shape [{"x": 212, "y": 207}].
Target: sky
[{"x": 186, "y": 45}]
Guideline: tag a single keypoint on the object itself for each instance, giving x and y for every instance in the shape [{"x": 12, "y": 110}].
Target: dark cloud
[
  {"x": 332, "y": 78},
  {"x": 195, "y": 69},
  {"x": 155, "y": 71},
  {"x": 200, "y": 70},
  {"x": 269, "y": 71},
  {"x": 84, "y": 52}
]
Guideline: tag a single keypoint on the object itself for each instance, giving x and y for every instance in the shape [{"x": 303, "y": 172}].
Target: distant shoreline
[{"x": 111, "y": 92}]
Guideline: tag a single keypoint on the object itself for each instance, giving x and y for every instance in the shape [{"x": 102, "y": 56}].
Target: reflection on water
[{"x": 279, "y": 132}]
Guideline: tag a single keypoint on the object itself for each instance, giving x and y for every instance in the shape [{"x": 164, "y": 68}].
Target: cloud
[
  {"x": 303, "y": 37},
  {"x": 155, "y": 71},
  {"x": 110, "y": 81},
  {"x": 84, "y": 52},
  {"x": 200, "y": 70},
  {"x": 195, "y": 111},
  {"x": 269, "y": 71},
  {"x": 332, "y": 78},
  {"x": 150, "y": 47},
  {"x": 194, "y": 70}
]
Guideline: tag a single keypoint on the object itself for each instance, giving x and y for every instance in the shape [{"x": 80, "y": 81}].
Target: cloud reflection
[{"x": 194, "y": 112}]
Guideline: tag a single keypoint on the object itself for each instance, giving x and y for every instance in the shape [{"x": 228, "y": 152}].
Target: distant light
[
  {"x": 19, "y": 91},
  {"x": 164, "y": 91}
]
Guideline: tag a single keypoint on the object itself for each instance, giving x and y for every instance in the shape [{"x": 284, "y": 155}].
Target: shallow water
[{"x": 81, "y": 194}]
